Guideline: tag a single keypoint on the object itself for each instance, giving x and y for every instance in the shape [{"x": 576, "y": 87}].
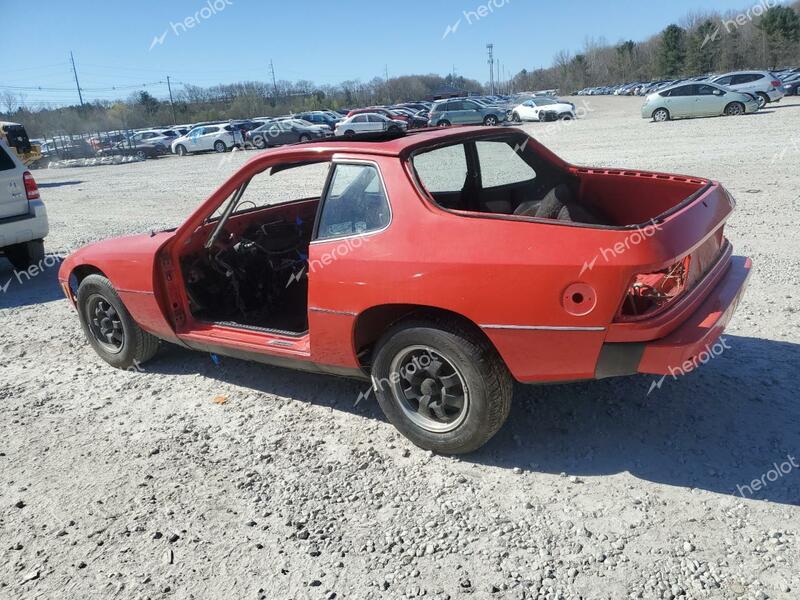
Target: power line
[{"x": 75, "y": 72}]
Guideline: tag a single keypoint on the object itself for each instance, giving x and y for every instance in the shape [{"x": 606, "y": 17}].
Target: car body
[
  {"x": 464, "y": 111},
  {"x": 319, "y": 117},
  {"x": 218, "y": 137},
  {"x": 763, "y": 84},
  {"x": 689, "y": 100},
  {"x": 348, "y": 256},
  {"x": 369, "y": 123},
  {"x": 286, "y": 131},
  {"x": 393, "y": 115},
  {"x": 23, "y": 217},
  {"x": 791, "y": 83},
  {"x": 530, "y": 110}
]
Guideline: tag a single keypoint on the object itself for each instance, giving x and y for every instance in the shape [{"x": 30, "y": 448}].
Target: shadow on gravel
[
  {"x": 732, "y": 421},
  {"x": 52, "y": 184},
  {"x": 716, "y": 429},
  {"x": 24, "y": 288}
]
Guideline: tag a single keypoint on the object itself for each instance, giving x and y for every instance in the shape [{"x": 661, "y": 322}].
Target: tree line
[{"x": 765, "y": 35}]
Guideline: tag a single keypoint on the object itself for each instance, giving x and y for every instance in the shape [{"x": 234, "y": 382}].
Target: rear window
[
  {"x": 6, "y": 162},
  {"x": 502, "y": 165}
]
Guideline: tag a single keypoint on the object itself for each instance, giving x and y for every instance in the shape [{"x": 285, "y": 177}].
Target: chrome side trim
[
  {"x": 542, "y": 328},
  {"x": 332, "y": 312}
]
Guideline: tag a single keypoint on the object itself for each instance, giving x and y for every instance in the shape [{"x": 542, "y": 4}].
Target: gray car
[
  {"x": 687, "y": 100},
  {"x": 463, "y": 111},
  {"x": 285, "y": 131}
]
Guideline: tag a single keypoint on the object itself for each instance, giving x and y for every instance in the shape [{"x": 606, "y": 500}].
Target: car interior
[
  {"x": 508, "y": 175},
  {"x": 502, "y": 176},
  {"x": 247, "y": 266}
]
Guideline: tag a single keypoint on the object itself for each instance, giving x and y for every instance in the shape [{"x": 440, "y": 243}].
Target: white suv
[
  {"x": 219, "y": 138},
  {"x": 23, "y": 218},
  {"x": 762, "y": 84}
]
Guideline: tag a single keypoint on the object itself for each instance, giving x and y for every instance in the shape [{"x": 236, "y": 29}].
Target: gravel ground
[{"x": 139, "y": 485}]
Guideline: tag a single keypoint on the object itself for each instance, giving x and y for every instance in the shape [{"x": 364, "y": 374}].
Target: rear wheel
[
  {"x": 763, "y": 99},
  {"x": 394, "y": 129},
  {"x": 26, "y": 254},
  {"x": 660, "y": 115},
  {"x": 443, "y": 123},
  {"x": 181, "y": 150},
  {"x": 490, "y": 121},
  {"x": 441, "y": 386},
  {"x": 109, "y": 327},
  {"x": 515, "y": 117},
  {"x": 349, "y": 133},
  {"x": 305, "y": 138},
  {"x": 219, "y": 146},
  {"x": 565, "y": 117},
  {"x": 734, "y": 109}
]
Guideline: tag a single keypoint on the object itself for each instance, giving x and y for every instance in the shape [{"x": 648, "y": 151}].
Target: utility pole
[
  {"x": 274, "y": 84},
  {"x": 490, "y": 48},
  {"x": 171, "y": 103},
  {"x": 499, "y": 78},
  {"x": 75, "y": 72}
]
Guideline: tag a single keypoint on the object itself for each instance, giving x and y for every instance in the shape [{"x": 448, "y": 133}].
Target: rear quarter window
[
  {"x": 443, "y": 169},
  {"x": 6, "y": 162}
]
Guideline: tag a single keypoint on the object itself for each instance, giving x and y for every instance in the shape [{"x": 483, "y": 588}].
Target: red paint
[{"x": 499, "y": 272}]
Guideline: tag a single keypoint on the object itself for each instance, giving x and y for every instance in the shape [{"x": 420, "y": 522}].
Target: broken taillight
[{"x": 650, "y": 292}]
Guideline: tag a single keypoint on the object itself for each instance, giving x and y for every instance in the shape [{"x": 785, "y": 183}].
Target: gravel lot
[{"x": 138, "y": 485}]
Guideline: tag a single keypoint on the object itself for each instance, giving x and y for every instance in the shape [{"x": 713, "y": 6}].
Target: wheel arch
[{"x": 372, "y": 323}]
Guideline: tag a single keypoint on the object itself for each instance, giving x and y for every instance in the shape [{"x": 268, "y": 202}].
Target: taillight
[
  {"x": 650, "y": 292},
  {"x": 776, "y": 83},
  {"x": 31, "y": 189}
]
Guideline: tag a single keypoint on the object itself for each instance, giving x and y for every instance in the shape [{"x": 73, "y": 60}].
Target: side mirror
[{"x": 719, "y": 93}]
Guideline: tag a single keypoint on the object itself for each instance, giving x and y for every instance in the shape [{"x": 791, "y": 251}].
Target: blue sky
[{"x": 325, "y": 42}]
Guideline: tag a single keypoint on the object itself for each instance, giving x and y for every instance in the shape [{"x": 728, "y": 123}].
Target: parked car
[
  {"x": 687, "y": 100},
  {"x": 791, "y": 84},
  {"x": 280, "y": 267},
  {"x": 23, "y": 217},
  {"x": 530, "y": 109},
  {"x": 286, "y": 131},
  {"x": 763, "y": 84},
  {"x": 369, "y": 123},
  {"x": 319, "y": 117},
  {"x": 464, "y": 112},
  {"x": 142, "y": 149},
  {"x": 219, "y": 138}
]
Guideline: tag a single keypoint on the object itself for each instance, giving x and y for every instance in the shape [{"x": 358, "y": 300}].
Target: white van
[{"x": 23, "y": 218}]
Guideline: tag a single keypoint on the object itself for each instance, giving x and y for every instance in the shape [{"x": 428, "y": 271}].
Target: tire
[
  {"x": 140, "y": 154},
  {"x": 490, "y": 120},
  {"x": 305, "y": 138},
  {"x": 349, "y": 133},
  {"x": 763, "y": 99},
  {"x": 26, "y": 254},
  {"x": 96, "y": 294},
  {"x": 516, "y": 118},
  {"x": 180, "y": 150},
  {"x": 219, "y": 146},
  {"x": 734, "y": 109},
  {"x": 565, "y": 117},
  {"x": 393, "y": 129},
  {"x": 473, "y": 369},
  {"x": 443, "y": 123},
  {"x": 260, "y": 143},
  {"x": 660, "y": 115}
]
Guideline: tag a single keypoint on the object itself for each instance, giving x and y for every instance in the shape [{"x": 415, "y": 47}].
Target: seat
[{"x": 560, "y": 205}]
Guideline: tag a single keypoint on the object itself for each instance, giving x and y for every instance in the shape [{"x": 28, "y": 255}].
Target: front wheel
[
  {"x": 109, "y": 327},
  {"x": 219, "y": 146},
  {"x": 490, "y": 121},
  {"x": 441, "y": 386},
  {"x": 734, "y": 109},
  {"x": 181, "y": 150},
  {"x": 443, "y": 123},
  {"x": 394, "y": 129},
  {"x": 661, "y": 115},
  {"x": 516, "y": 118}
]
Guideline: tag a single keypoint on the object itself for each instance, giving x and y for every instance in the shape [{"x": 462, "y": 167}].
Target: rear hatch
[{"x": 13, "y": 199}]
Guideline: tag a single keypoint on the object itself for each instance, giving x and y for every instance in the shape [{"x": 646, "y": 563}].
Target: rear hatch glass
[{"x": 13, "y": 200}]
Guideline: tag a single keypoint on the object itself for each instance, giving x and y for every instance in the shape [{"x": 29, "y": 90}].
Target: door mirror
[{"x": 719, "y": 93}]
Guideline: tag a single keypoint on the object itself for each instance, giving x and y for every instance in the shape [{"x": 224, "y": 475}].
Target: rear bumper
[
  {"x": 25, "y": 228},
  {"x": 697, "y": 335}
]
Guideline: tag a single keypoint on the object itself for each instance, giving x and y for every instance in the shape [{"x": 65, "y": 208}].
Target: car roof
[{"x": 393, "y": 145}]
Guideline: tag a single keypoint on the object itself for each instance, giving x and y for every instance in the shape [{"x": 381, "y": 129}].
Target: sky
[{"x": 121, "y": 47}]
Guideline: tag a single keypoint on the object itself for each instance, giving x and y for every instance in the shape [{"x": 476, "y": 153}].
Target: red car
[{"x": 443, "y": 265}]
